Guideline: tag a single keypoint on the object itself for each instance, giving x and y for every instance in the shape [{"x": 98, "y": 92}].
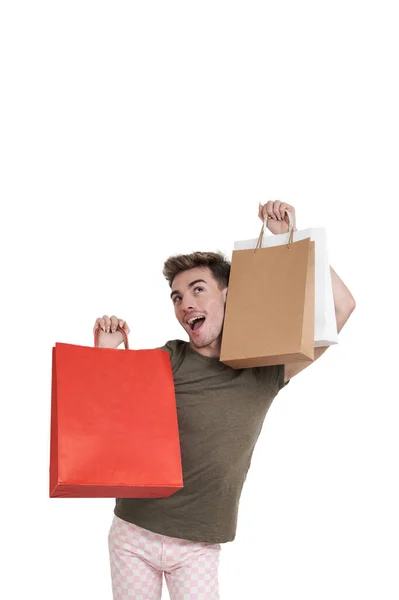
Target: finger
[
  {"x": 276, "y": 209},
  {"x": 107, "y": 323},
  {"x": 282, "y": 208},
  {"x": 99, "y": 324},
  {"x": 288, "y": 207},
  {"x": 125, "y": 327},
  {"x": 114, "y": 323},
  {"x": 262, "y": 211},
  {"x": 269, "y": 209},
  {"x": 291, "y": 210},
  {"x": 96, "y": 325}
]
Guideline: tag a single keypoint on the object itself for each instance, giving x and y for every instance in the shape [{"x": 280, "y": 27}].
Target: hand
[
  {"x": 277, "y": 219},
  {"x": 108, "y": 336}
]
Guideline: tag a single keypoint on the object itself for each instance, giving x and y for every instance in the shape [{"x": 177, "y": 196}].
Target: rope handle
[{"x": 291, "y": 229}]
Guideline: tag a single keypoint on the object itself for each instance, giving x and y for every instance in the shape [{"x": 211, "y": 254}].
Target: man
[{"x": 220, "y": 415}]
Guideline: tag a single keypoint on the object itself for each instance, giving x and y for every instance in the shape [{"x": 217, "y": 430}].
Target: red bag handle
[{"x": 125, "y": 340}]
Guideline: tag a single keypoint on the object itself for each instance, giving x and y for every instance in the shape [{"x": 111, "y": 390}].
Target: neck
[{"x": 212, "y": 350}]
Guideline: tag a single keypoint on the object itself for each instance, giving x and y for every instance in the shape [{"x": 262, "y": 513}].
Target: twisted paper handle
[{"x": 291, "y": 230}]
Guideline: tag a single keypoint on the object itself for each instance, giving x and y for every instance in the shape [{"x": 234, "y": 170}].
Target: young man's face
[{"x": 195, "y": 293}]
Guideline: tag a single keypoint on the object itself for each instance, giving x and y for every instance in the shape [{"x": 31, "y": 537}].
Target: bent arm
[{"x": 344, "y": 304}]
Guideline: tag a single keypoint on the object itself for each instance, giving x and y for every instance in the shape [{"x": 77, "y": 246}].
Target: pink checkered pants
[{"x": 138, "y": 558}]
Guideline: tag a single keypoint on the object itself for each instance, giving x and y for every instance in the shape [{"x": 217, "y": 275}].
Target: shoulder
[
  {"x": 173, "y": 346},
  {"x": 176, "y": 350}
]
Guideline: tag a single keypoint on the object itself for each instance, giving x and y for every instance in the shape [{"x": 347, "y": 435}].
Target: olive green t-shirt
[{"x": 220, "y": 414}]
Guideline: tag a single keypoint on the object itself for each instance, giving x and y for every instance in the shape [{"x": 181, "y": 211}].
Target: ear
[{"x": 225, "y": 294}]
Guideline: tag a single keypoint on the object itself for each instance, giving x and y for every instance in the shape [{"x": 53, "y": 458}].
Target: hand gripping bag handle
[{"x": 123, "y": 332}]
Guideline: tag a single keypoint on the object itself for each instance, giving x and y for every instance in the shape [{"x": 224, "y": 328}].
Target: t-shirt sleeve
[
  {"x": 279, "y": 375},
  {"x": 175, "y": 349},
  {"x": 282, "y": 383},
  {"x": 273, "y": 377}
]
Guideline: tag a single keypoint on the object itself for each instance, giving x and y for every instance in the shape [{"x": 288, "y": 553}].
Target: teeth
[{"x": 191, "y": 321}]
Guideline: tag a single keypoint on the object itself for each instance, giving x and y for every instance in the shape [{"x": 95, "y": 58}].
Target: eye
[
  {"x": 175, "y": 298},
  {"x": 198, "y": 287}
]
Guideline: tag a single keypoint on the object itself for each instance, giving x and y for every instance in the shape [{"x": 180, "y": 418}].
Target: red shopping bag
[{"x": 114, "y": 428}]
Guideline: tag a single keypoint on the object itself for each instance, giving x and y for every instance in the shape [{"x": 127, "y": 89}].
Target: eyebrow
[{"x": 189, "y": 285}]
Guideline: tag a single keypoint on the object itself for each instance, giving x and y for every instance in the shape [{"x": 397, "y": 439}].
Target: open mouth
[{"x": 196, "y": 323}]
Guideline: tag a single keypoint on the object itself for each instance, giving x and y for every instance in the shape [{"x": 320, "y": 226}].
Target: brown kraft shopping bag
[{"x": 269, "y": 318}]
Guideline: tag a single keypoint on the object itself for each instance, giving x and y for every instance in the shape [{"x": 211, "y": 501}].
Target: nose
[{"x": 187, "y": 305}]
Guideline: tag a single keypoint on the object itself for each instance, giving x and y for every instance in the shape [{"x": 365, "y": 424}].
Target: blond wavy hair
[{"x": 215, "y": 261}]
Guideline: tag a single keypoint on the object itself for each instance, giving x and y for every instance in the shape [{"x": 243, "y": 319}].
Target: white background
[{"x": 134, "y": 130}]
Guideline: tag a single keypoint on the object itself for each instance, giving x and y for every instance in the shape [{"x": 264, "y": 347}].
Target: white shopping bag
[{"x": 325, "y": 322}]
